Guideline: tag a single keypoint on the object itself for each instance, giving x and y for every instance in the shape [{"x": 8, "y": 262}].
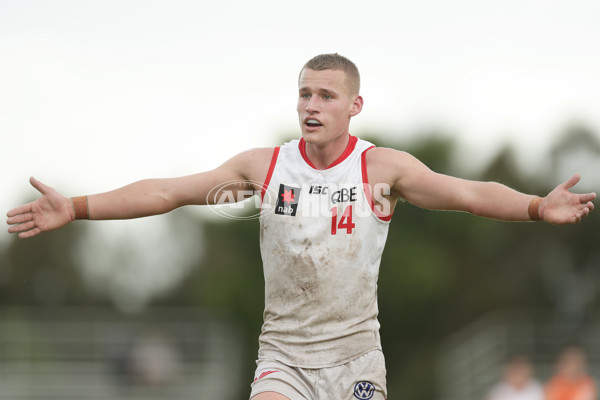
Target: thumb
[
  {"x": 572, "y": 181},
  {"x": 43, "y": 189}
]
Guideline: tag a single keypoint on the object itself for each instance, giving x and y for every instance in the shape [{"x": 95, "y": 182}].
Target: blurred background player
[
  {"x": 571, "y": 380},
  {"x": 518, "y": 382}
]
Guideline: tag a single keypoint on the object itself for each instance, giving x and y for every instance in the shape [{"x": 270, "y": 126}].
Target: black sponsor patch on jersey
[{"x": 287, "y": 200}]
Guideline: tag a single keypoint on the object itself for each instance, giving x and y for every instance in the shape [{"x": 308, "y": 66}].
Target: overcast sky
[{"x": 96, "y": 94}]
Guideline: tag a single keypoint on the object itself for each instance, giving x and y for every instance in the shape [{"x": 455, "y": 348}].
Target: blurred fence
[
  {"x": 101, "y": 354},
  {"x": 472, "y": 360}
]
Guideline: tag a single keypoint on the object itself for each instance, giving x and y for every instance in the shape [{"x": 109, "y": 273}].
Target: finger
[
  {"x": 43, "y": 189},
  {"x": 587, "y": 197},
  {"x": 590, "y": 205},
  {"x": 21, "y": 227},
  {"x": 572, "y": 181},
  {"x": 25, "y": 208},
  {"x": 31, "y": 233},
  {"x": 19, "y": 219},
  {"x": 587, "y": 209}
]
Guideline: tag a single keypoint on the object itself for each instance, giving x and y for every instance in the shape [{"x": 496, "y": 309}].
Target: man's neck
[{"x": 324, "y": 155}]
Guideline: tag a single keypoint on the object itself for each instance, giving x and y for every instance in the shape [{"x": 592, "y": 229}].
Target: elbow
[
  {"x": 475, "y": 209},
  {"x": 164, "y": 203},
  {"x": 163, "y": 200},
  {"x": 472, "y": 204}
]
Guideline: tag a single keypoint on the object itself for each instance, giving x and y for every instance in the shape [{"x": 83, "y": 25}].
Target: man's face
[{"x": 325, "y": 105}]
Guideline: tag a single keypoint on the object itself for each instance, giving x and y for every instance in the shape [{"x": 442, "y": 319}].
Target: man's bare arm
[
  {"x": 412, "y": 180},
  {"x": 139, "y": 199},
  {"x": 158, "y": 196}
]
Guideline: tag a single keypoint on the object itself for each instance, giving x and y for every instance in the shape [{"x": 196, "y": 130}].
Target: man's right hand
[{"x": 51, "y": 211}]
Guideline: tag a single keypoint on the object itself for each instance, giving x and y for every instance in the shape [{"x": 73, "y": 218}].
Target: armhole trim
[
  {"x": 367, "y": 187},
  {"x": 269, "y": 173}
]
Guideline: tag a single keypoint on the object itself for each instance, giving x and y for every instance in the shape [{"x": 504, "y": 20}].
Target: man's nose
[{"x": 312, "y": 105}]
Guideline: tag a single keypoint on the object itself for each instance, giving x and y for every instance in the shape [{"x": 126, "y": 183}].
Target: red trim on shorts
[
  {"x": 264, "y": 374},
  {"x": 269, "y": 173},
  {"x": 349, "y": 149},
  {"x": 367, "y": 187}
]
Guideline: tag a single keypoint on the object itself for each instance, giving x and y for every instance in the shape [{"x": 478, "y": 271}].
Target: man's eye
[
  {"x": 305, "y": 96},
  {"x": 327, "y": 97}
]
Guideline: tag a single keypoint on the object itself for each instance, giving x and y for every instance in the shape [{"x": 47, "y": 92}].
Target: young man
[{"x": 327, "y": 200}]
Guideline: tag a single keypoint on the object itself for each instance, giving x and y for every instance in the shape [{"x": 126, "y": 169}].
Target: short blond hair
[{"x": 336, "y": 62}]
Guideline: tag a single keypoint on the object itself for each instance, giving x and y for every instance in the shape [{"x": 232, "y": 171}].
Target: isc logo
[{"x": 364, "y": 390}]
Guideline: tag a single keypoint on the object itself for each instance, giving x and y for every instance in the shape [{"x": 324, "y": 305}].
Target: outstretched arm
[
  {"x": 412, "y": 180},
  {"x": 140, "y": 199}
]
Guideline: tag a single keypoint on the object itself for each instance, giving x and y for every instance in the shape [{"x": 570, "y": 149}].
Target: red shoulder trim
[
  {"x": 367, "y": 187},
  {"x": 349, "y": 149},
  {"x": 269, "y": 173}
]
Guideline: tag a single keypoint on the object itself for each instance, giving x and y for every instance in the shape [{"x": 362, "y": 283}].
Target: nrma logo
[{"x": 364, "y": 390}]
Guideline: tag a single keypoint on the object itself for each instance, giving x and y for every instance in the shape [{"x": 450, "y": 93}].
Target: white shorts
[{"x": 360, "y": 379}]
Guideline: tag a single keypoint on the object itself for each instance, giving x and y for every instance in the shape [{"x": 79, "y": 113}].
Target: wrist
[
  {"x": 79, "y": 208},
  {"x": 534, "y": 209}
]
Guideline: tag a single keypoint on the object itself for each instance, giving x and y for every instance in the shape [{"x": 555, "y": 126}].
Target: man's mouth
[{"x": 313, "y": 123}]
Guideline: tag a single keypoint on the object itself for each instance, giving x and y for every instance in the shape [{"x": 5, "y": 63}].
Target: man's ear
[{"x": 357, "y": 106}]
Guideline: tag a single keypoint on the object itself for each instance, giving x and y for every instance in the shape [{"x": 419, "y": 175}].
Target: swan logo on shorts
[
  {"x": 364, "y": 390},
  {"x": 287, "y": 200}
]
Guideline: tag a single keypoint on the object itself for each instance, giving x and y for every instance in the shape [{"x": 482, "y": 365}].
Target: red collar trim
[{"x": 349, "y": 149}]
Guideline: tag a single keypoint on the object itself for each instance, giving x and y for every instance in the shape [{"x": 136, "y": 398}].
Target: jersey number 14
[{"x": 345, "y": 221}]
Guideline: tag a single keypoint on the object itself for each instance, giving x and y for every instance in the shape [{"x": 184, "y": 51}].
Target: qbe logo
[{"x": 364, "y": 390}]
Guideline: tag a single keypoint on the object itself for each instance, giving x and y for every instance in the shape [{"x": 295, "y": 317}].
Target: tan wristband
[
  {"x": 534, "y": 209},
  {"x": 80, "y": 205}
]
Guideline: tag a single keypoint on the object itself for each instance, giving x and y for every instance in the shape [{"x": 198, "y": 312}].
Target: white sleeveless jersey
[{"x": 321, "y": 243}]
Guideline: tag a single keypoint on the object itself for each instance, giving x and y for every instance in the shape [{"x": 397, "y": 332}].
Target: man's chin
[{"x": 310, "y": 137}]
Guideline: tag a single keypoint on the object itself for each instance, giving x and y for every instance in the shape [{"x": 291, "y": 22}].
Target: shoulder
[
  {"x": 257, "y": 155},
  {"x": 590, "y": 382},
  {"x": 251, "y": 164},
  {"x": 391, "y": 162},
  {"x": 400, "y": 170},
  {"x": 535, "y": 386},
  {"x": 498, "y": 391},
  {"x": 385, "y": 155}
]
